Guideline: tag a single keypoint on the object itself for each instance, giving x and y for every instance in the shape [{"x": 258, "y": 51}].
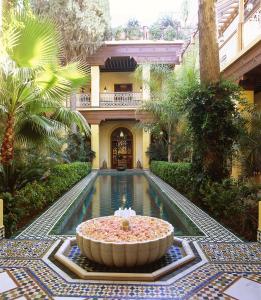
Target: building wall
[
  {"x": 108, "y": 79},
  {"x": 258, "y": 100},
  {"x": 106, "y": 129},
  {"x": 228, "y": 47},
  {"x": 229, "y": 51},
  {"x": 251, "y": 31}
]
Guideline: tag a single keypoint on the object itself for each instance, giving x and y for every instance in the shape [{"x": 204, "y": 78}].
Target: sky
[{"x": 147, "y": 11}]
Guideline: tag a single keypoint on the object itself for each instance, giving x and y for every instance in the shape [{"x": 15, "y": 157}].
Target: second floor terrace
[
  {"x": 114, "y": 83},
  {"x": 109, "y": 100}
]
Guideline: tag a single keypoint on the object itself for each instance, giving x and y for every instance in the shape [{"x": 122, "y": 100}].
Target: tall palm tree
[{"x": 33, "y": 85}]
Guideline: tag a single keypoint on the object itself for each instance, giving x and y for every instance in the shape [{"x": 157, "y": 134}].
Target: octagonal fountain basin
[{"x": 118, "y": 242}]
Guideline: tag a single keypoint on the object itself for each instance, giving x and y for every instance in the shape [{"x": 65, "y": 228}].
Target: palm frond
[
  {"x": 76, "y": 73},
  {"x": 36, "y": 42},
  {"x": 68, "y": 117}
]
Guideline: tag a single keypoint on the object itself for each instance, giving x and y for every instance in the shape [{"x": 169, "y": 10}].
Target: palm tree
[
  {"x": 169, "y": 90},
  {"x": 34, "y": 86},
  {"x": 166, "y": 118}
]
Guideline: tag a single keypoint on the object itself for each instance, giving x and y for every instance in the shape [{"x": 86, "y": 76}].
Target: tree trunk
[
  {"x": 169, "y": 147},
  {"x": 208, "y": 46},
  {"x": 7, "y": 148},
  {"x": 73, "y": 107}
]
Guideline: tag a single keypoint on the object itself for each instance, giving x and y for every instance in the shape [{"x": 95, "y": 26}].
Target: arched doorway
[{"x": 121, "y": 148}]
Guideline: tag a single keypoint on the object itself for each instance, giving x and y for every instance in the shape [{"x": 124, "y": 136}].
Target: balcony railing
[
  {"x": 83, "y": 100},
  {"x": 116, "y": 99},
  {"x": 119, "y": 99}
]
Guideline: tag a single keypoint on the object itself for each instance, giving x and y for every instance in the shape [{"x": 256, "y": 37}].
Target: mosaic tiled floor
[
  {"x": 28, "y": 269},
  {"x": 26, "y": 272},
  {"x": 173, "y": 254},
  {"x": 212, "y": 230}
]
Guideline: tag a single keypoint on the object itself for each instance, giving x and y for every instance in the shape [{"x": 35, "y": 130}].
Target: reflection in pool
[{"x": 109, "y": 192}]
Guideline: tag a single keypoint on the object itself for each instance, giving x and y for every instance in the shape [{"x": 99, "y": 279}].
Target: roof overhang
[
  {"x": 99, "y": 115},
  {"x": 119, "y": 64},
  {"x": 144, "y": 51}
]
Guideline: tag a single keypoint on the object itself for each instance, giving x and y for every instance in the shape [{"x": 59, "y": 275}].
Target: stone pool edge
[{"x": 214, "y": 232}]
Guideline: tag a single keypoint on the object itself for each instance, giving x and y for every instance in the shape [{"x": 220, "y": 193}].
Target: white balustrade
[
  {"x": 119, "y": 99},
  {"x": 83, "y": 100}
]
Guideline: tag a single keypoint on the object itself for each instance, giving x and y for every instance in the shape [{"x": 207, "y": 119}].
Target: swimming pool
[{"x": 110, "y": 191}]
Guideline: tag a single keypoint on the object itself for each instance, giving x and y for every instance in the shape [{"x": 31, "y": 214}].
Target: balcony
[
  {"x": 120, "y": 99},
  {"x": 83, "y": 100},
  {"x": 110, "y": 100}
]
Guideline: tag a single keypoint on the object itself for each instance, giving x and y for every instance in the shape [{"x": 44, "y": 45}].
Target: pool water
[{"x": 109, "y": 192}]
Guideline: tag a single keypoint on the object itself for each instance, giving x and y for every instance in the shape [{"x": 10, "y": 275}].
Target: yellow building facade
[
  {"x": 112, "y": 100},
  {"x": 239, "y": 24}
]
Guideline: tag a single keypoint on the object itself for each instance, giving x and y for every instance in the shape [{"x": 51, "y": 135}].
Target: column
[
  {"x": 145, "y": 82},
  {"x": 249, "y": 96},
  {"x": 95, "y": 86},
  {"x": 95, "y": 143},
  {"x": 236, "y": 166},
  {"x": 145, "y": 146},
  {"x": 73, "y": 107},
  {"x": 2, "y": 228},
  {"x": 240, "y": 42}
]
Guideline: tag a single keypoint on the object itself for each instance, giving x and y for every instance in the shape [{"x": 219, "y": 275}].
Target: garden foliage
[
  {"x": 37, "y": 195},
  {"x": 177, "y": 175},
  {"x": 78, "y": 148},
  {"x": 214, "y": 122},
  {"x": 34, "y": 85},
  {"x": 231, "y": 202}
]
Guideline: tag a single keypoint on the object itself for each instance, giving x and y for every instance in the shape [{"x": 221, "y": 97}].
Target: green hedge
[
  {"x": 60, "y": 180},
  {"x": 177, "y": 175},
  {"x": 35, "y": 196},
  {"x": 220, "y": 199}
]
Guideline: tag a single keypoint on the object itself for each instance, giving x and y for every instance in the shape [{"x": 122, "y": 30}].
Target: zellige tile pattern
[{"x": 38, "y": 280}]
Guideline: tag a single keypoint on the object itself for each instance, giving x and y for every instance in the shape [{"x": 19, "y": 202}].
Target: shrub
[
  {"x": 214, "y": 121},
  {"x": 158, "y": 150},
  {"x": 32, "y": 196},
  {"x": 35, "y": 196},
  {"x": 79, "y": 148},
  {"x": 233, "y": 203},
  {"x": 177, "y": 175}
]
